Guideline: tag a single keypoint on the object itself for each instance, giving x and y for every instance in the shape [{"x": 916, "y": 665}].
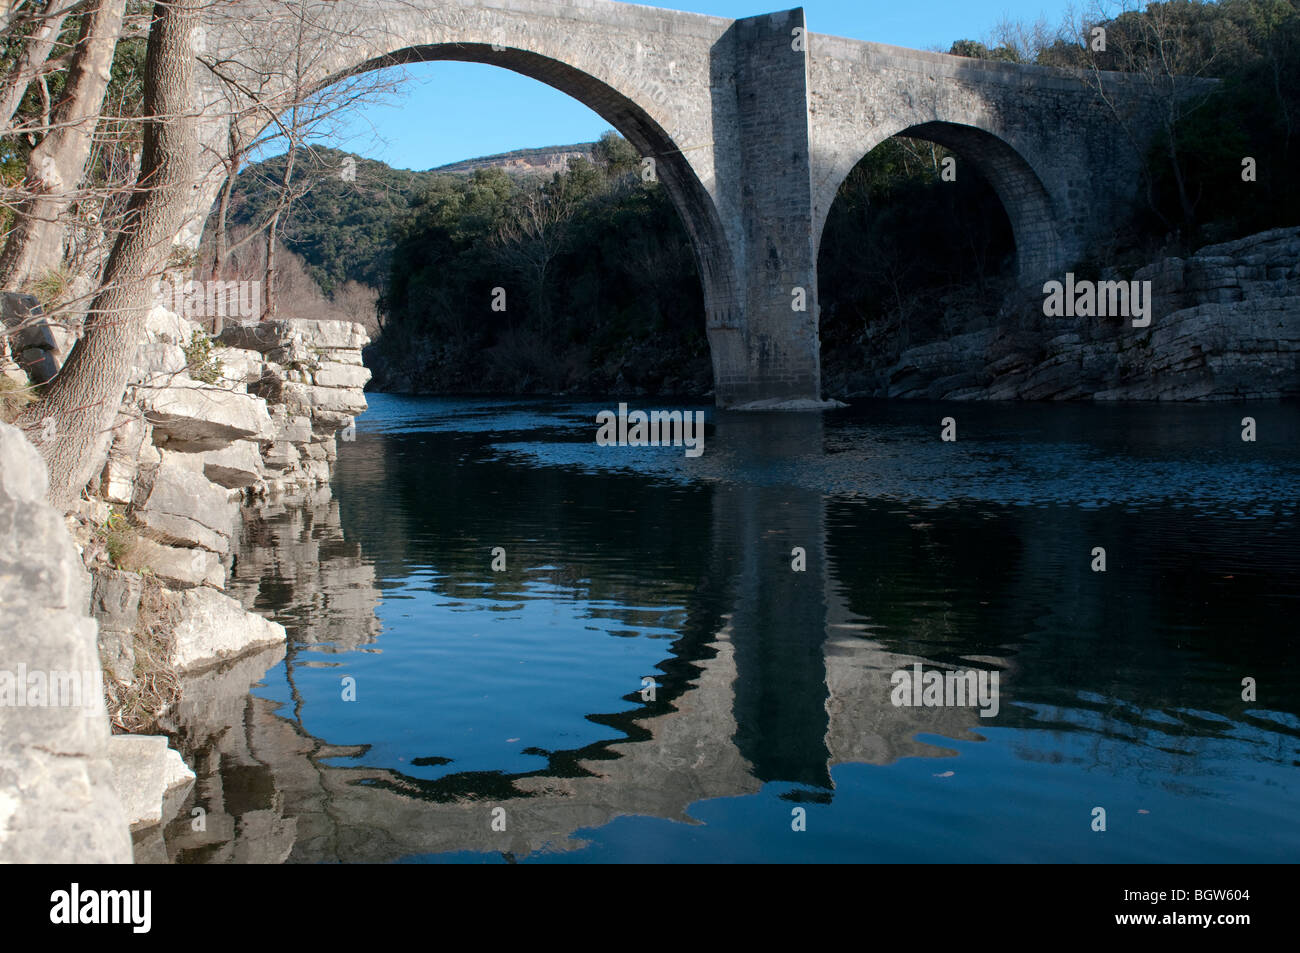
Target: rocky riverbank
[
  {"x": 1225, "y": 325},
  {"x": 140, "y": 567}
]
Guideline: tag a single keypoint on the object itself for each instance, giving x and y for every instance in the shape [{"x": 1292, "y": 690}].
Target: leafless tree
[
  {"x": 56, "y": 165},
  {"x": 276, "y": 101},
  {"x": 535, "y": 232},
  {"x": 83, "y": 399},
  {"x": 1171, "y": 57}
]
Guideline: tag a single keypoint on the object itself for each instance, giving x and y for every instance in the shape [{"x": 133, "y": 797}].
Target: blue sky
[{"x": 451, "y": 111}]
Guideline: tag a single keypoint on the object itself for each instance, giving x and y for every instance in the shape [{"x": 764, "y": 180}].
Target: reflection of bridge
[
  {"x": 753, "y": 124},
  {"x": 767, "y": 683}
]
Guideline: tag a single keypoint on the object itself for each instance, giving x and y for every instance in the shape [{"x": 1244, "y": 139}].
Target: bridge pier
[{"x": 765, "y": 346}]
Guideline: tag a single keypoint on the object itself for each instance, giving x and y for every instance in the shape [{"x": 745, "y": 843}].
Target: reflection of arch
[{"x": 1018, "y": 187}]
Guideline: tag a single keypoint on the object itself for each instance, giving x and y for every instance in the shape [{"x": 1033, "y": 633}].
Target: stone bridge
[{"x": 753, "y": 124}]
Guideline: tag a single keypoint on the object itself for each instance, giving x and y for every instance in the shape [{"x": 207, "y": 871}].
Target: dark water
[{"x": 522, "y": 690}]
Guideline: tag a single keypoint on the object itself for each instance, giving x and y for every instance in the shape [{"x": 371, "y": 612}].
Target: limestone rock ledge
[
  {"x": 58, "y": 803},
  {"x": 149, "y": 776},
  {"x": 1225, "y": 325},
  {"x": 193, "y": 439}
]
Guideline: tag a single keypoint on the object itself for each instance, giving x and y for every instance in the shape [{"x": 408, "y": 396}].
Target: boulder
[
  {"x": 188, "y": 415},
  {"x": 281, "y": 455},
  {"x": 236, "y": 466},
  {"x": 157, "y": 364},
  {"x": 214, "y": 627},
  {"x": 115, "y": 604},
  {"x": 57, "y": 800},
  {"x": 145, "y": 772},
  {"x": 168, "y": 327},
  {"x": 131, "y": 432},
  {"x": 41, "y": 343},
  {"x": 186, "y": 508},
  {"x": 334, "y": 374},
  {"x": 239, "y": 365},
  {"x": 315, "y": 401},
  {"x": 178, "y": 566}
]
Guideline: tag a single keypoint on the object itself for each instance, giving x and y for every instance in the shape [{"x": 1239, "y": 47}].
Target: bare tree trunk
[
  {"x": 268, "y": 277},
  {"x": 220, "y": 241},
  {"x": 1184, "y": 202},
  {"x": 56, "y": 166},
  {"x": 84, "y": 398},
  {"x": 272, "y": 233},
  {"x": 35, "y": 53},
  {"x": 8, "y": 9}
]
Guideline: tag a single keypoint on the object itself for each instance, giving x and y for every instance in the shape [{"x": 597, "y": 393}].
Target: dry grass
[
  {"x": 155, "y": 687},
  {"x": 119, "y": 538},
  {"x": 14, "y": 398}
]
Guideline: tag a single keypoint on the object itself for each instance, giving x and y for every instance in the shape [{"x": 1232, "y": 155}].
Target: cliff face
[
  {"x": 58, "y": 803},
  {"x": 1225, "y": 324},
  {"x": 545, "y": 161}
]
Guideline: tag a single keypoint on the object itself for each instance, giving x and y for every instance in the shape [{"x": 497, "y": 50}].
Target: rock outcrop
[
  {"x": 200, "y": 431},
  {"x": 1225, "y": 324},
  {"x": 58, "y": 803},
  {"x": 151, "y": 777}
]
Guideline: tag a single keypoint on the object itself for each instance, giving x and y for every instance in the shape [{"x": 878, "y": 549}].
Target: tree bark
[
  {"x": 57, "y": 164},
  {"x": 35, "y": 53},
  {"x": 8, "y": 9},
  {"x": 83, "y": 399}
]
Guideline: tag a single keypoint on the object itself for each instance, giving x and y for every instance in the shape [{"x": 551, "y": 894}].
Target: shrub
[{"x": 199, "y": 360}]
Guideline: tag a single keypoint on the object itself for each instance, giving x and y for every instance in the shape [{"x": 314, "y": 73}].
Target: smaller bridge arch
[{"x": 1025, "y": 199}]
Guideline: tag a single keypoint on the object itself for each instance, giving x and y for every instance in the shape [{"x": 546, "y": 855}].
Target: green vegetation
[
  {"x": 199, "y": 360},
  {"x": 600, "y": 291},
  {"x": 119, "y": 539},
  {"x": 339, "y": 228},
  {"x": 1253, "y": 46}
]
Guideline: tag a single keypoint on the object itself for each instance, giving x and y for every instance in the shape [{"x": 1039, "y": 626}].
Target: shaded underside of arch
[{"x": 1027, "y": 203}]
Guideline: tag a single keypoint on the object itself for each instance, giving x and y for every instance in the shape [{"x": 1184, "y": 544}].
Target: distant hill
[
  {"x": 340, "y": 226},
  {"x": 546, "y": 160}
]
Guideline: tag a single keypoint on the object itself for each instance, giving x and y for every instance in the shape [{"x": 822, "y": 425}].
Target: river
[{"x": 698, "y": 659}]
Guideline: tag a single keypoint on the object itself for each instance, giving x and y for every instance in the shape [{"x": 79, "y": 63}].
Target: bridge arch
[
  {"x": 657, "y": 97},
  {"x": 1024, "y": 197}
]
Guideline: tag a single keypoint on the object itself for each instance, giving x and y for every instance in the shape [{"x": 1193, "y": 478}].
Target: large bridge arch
[{"x": 655, "y": 94}]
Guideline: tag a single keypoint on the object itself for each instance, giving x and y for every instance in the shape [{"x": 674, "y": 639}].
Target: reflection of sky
[
  {"x": 1022, "y": 796},
  {"x": 479, "y": 679}
]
